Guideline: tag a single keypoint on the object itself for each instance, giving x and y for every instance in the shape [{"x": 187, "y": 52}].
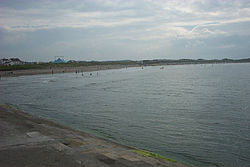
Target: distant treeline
[
  {"x": 193, "y": 61},
  {"x": 123, "y": 62}
]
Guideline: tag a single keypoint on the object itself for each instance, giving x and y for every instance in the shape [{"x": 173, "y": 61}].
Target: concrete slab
[{"x": 32, "y": 141}]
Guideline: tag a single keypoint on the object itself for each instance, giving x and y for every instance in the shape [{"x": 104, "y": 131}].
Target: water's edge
[{"x": 13, "y": 109}]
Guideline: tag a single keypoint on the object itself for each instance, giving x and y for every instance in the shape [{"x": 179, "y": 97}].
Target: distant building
[
  {"x": 11, "y": 61},
  {"x": 59, "y": 60},
  {"x": 16, "y": 61},
  {"x": 4, "y": 61},
  {"x": 72, "y": 61}
]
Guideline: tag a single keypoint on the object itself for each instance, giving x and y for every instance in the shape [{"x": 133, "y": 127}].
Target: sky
[{"x": 41, "y": 30}]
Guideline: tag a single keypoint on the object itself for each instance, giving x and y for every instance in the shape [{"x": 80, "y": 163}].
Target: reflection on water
[{"x": 198, "y": 114}]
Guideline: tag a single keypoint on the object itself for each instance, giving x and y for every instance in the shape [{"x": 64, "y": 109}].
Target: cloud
[
  {"x": 194, "y": 44},
  {"x": 30, "y": 20},
  {"x": 165, "y": 18},
  {"x": 144, "y": 23},
  {"x": 227, "y": 46}
]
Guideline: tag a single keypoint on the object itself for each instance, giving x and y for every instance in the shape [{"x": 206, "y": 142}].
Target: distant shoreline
[
  {"x": 79, "y": 67},
  {"x": 55, "y": 70}
]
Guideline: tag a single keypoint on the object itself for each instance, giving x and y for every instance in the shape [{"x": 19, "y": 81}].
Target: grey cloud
[{"x": 106, "y": 29}]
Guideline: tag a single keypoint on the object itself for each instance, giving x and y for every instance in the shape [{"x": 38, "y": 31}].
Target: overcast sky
[{"x": 39, "y": 30}]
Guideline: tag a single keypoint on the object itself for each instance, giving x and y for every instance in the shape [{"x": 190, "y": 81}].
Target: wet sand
[
  {"x": 27, "y": 140},
  {"x": 61, "y": 70}
]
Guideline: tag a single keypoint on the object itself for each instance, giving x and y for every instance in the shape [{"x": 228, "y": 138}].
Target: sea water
[{"x": 195, "y": 114}]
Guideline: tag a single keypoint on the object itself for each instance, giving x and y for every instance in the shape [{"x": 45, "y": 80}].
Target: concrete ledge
[{"x": 26, "y": 140}]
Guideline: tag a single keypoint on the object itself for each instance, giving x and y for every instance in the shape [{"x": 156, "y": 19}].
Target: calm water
[{"x": 197, "y": 114}]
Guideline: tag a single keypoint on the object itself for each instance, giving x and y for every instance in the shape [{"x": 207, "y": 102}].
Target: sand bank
[{"x": 61, "y": 70}]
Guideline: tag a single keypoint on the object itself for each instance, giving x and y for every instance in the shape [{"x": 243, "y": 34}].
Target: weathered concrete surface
[{"x": 30, "y": 141}]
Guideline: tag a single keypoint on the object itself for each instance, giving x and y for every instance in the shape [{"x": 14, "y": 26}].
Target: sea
[{"x": 195, "y": 114}]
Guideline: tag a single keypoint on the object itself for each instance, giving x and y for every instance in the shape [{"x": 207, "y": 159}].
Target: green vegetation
[
  {"x": 63, "y": 65},
  {"x": 123, "y": 62},
  {"x": 150, "y": 154},
  {"x": 192, "y": 61},
  {"x": 72, "y": 143}
]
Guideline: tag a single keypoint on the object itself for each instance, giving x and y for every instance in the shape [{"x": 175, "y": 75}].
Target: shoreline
[
  {"x": 80, "y": 69},
  {"x": 27, "y": 140},
  {"x": 91, "y": 68}
]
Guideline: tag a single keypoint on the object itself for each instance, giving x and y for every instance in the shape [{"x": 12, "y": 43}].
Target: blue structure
[{"x": 59, "y": 60}]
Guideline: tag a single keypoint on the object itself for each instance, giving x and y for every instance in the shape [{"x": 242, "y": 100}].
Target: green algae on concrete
[
  {"x": 9, "y": 106},
  {"x": 72, "y": 142},
  {"x": 150, "y": 154}
]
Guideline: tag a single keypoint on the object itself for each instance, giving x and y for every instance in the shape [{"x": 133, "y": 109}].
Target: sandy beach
[
  {"x": 79, "y": 69},
  {"x": 27, "y": 140}
]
